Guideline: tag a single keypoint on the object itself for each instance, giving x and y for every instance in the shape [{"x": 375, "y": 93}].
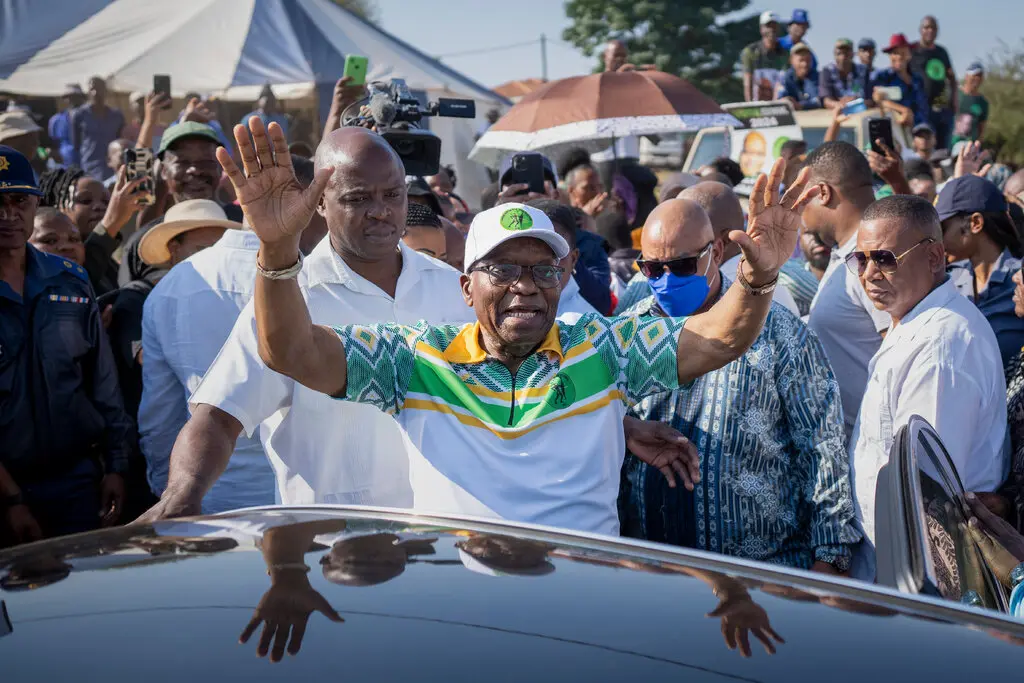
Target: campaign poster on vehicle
[{"x": 757, "y": 141}]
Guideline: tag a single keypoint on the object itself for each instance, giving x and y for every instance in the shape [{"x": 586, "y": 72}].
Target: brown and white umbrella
[{"x": 591, "y": 111}]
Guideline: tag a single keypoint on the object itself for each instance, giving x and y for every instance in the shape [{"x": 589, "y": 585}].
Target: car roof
[{"x": 426, "y": 597}]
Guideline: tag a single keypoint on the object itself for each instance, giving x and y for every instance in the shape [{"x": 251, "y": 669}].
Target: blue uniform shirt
[
  {"x": 914, "y": 95},
  {"x": 59, "y": 397},
  {"x": 996, "y": 302}
]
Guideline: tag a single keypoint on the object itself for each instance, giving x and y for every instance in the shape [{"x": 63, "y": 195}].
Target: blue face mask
[{"x": 681, "y": 295}]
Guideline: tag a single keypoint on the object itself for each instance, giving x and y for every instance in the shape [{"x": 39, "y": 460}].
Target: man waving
[{"x": 515, "y": 415}]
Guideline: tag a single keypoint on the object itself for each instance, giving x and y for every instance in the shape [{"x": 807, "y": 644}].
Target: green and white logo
[
  {"x": 562, "y": 392},
  {"x": 516, "y": 219},
  {"x": 935, "y": 69}
]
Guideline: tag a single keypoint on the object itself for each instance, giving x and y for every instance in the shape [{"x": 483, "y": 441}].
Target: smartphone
[
  {"x": 880, "y": 128},
  {"x": 138, "y": 163},
  {"x": 355, "y": 68},
  {"x": 162, "y": 85},
  {"x": 529, "y": 169},
  {"x": 855, "y": 106}
]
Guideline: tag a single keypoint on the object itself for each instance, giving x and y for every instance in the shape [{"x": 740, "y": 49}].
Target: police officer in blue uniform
[{"x": 64, "y": 435}]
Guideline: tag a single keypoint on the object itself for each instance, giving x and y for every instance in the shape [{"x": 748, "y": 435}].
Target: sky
[{"x": 969, "y": 30}]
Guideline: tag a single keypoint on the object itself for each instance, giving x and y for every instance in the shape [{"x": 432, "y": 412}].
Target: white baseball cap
[
  {"x": 769, "y": 17},
  {"x": 493, "y": 227}
]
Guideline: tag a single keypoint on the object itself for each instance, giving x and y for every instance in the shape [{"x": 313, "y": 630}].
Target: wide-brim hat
[
  {"x": 15, "y": 123},
  {"x": 180, "y": 218},
  {"x": 896, "y": 41}
]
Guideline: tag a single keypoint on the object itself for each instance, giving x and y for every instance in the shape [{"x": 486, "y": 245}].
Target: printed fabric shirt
[
  {"x": 544, "y": 444},
  {"x": 768, "y": 428},
  {"x": 971, "y": 113},
  {"x": 834, "y": 85},
  {"x": 800, "y": 282},
  {"x": 1014, "y": 486}
]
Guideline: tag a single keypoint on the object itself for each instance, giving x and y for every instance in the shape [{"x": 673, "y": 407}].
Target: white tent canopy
[{"x": 229, "y": 48}]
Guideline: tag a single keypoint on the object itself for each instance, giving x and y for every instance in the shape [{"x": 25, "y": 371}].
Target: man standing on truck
[{"x": 763, "y": 61}]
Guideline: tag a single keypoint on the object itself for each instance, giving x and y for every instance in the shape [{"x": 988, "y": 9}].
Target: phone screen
[{"x": 880, "y": 128}]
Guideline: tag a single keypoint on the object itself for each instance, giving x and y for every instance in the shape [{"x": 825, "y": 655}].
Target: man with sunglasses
[
  {"x": 774, "y": 466},
  {"x": 940, "y": 360},
  {"x": 515, "y": 415}
]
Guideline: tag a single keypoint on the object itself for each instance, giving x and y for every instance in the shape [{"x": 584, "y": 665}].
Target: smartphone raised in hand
[
  {"x": 880, "y": 128},
  {"x": 528, "y": 169},
  {"x": 138, "y": 163},
  {"x": 162, "y": 86},
  {"x": 355, "y": 68}
]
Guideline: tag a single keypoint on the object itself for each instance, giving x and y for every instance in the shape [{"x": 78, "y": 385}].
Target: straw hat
[
  {"x": 188, "y": 215},
  {"x": 15, "y": 123}
]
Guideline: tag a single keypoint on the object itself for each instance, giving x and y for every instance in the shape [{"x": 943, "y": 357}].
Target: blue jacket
[
  {"x": 914, "y": 95},
  {"x": 59, "y": 397},
  {"x": 593, "y": 272}
]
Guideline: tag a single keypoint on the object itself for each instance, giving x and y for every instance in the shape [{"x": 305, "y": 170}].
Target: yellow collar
[{"x": 466, "y": 347}]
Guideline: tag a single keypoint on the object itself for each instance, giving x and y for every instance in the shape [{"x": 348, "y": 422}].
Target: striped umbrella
[{"x": 591, "y": 111}]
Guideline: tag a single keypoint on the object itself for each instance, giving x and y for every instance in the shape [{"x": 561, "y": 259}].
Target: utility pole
[{"x": 544, "y": 57}]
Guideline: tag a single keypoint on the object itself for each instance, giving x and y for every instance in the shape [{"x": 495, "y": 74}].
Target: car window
[
  {"x": 815, "y": 137},
  {"x": 710, "y": 146},
  {"x": 953, "y": 565}
]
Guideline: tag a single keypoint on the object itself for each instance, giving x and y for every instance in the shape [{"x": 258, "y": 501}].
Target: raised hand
[
  {"x": 971, "y": 161},
  {"x": 276, "y": 206},
  {"x": 773, "y": 226}
]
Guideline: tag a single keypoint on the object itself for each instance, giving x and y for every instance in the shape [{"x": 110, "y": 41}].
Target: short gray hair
[{"x": 909, "y": 210}]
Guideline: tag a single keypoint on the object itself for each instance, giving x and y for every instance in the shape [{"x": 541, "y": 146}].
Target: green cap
[
  {"x": 844, "y": 42},
  {"x": 186, "y": 129}
]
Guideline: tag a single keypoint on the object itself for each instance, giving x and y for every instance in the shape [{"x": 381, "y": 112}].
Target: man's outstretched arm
[
  {"x": 722, "y": 334},
  {"x": 278, "y": 209}
]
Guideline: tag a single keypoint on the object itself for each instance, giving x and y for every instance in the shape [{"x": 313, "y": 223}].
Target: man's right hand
[
  {"x": 170, "y": 506},
  {"x": 22, "y": 524},
  {"x": 276, "y": 206},
  {"x": 156, "y": 103},
  {"x": 520, "y": 192}
]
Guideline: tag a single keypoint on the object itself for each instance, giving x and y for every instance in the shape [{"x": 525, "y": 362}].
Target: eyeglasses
[
  {"x": 507, "y": 274},
  {"x": 885, "y": 260},
  {"x": 681, "y": 267}
]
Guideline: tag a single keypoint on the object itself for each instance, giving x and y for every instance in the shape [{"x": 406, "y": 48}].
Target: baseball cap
[
  {"x": 15, "y": 123},
  {"x": 922, "y": 128},
  {"x": 844, "y": 42},
  {"x": 549, "y": 168},
  {"x": 866, "y": 44},
  {"x": 416, "y": 186},
  {"x": 975, "y": 68},
  {"x": 183, "y": 130},
  {"x": 799, "y": 47},
  {"x": 769, "y": 17},
  {"x": 493, "y": 227},
  {"x": 969, "y": 194},
  {"x": 16, "y": 173},
  {"x": 800, "y": 17}
]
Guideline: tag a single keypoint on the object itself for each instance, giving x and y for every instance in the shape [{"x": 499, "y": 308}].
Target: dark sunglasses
[
  {"x": 885, "y": 260},
  {"x": 681, "y": 267},
  {"x": 507, "y": 274}
]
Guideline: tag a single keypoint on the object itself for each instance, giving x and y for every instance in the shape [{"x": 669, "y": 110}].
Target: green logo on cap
[{"x": 516, "y": 219}]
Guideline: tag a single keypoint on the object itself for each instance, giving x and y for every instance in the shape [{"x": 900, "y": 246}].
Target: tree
[
  {"x": 1004, "y": 88},
  {"x": 682, "y": 38},
  {"x": 363, "y": 8}
]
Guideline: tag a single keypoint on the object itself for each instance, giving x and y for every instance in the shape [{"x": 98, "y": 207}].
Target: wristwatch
[
  {"x": 10, "y": 501},
  {"x": 751, "y": 289}
]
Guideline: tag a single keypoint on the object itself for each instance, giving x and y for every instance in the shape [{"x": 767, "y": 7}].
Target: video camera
[{"x": 395, "y": 114}]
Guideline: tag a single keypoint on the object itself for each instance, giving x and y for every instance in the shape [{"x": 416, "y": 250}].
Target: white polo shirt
[
  {"x": 322, "y": 450},
  {"x": 849, "y": 327},
  {"x": 941, "y": 362},
  {"x": 571, "y": 304}
]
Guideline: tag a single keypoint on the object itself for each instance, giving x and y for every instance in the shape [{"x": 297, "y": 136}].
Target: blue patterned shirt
[
  {"x": 768, "y": 427},
  {"x": 914, "y": 95}
]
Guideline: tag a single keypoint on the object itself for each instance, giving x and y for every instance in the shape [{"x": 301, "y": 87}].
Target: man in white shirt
[
  {"x": 360, "y": 274},
  {"x": 940, "y": 359},
  {"x": 723, "y": 207},
  {"x": 571, "y": 304},
  {"x": 849, "y": 326},
  {"x": 185, "y": 321}
]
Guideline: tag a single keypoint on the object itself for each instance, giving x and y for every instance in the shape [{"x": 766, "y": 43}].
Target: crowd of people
[{"x": 607, "y": 355}]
